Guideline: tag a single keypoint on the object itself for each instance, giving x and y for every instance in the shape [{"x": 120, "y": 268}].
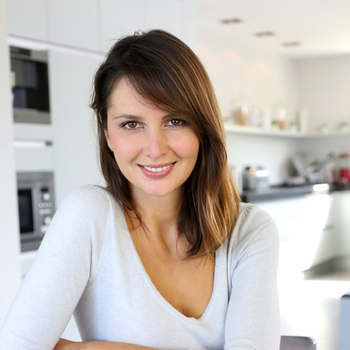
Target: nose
[{"x": 156, "y": 145}]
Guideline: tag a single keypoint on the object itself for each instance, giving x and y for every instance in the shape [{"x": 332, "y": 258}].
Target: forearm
[{"x": 64, "y": 344}]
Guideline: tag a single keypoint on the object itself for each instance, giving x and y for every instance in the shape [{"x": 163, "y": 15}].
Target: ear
[{"x": 109, "y": 143}]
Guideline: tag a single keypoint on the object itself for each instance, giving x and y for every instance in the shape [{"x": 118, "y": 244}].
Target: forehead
[
  {"x": 125, "y": 100},
  {"x": 124, "y": 92},
  {"x": 123, "y": 89}
]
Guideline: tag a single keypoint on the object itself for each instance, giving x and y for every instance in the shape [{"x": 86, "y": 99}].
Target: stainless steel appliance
[
  {"x": 30, "y": 86},
  {"x": 255, "y": 178},
  {"x": 310, "y": 170},
  {"x": 36, "y": 207}
]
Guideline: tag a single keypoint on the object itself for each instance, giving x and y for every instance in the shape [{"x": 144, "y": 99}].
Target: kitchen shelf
[{"x": 249, "y": 130}]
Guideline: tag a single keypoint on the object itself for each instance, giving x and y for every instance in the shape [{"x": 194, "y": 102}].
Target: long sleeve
[
  {"x": 59, "y": 274},
  {"x": 253, "y": 313}
]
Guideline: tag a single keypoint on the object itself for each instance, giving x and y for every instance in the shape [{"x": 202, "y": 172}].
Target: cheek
[
  {"x": 188, "y": 146},
  {"x": 124, "y": 148}
]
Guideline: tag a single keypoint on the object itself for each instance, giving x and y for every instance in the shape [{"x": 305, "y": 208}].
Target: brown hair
[{"x": 166, "y": 72}]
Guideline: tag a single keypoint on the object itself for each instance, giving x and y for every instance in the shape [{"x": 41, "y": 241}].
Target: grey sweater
[{"x": 87, "y": 264}]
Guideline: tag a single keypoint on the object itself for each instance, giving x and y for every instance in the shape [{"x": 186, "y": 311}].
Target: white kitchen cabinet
[
  {"x": 33, "y": 159},
  {"x": 34, "y": 150},
  {"x": 306, "y": 229},
  {"x": 73, "y": 23},
  {"x": 27, "y": 18},
  {"x": 34, "y": 132},
  {"x": 74, "y": 134},
  {"x": 167, "y": 15},
  {"x": 124, "y": 17},
  {"x": 120, "y": 18},
  {"x": 342, "y": 217}
]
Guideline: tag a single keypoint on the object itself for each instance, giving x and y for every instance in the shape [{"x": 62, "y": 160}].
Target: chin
[{"x": 160, "y": 192}]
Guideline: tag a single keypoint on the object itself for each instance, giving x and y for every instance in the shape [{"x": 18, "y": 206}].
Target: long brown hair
[{"x": 166, "y": 72}]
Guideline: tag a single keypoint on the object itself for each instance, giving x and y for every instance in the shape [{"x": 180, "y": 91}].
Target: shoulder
[
  {"x": 252, "y": 216},
  {"x": 86, "y": 193},
  {"x": 253, "y": 227},
  {"x": 84, "y": 218},
  {"x": 89, "y": 199},
  {"x": 87, "y": 208}
]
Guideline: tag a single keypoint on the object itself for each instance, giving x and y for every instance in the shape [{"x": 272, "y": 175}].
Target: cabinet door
[
  {"x": 73, "y": 23},
  {"x": 125, "y": 17},
  {"x": 74, "y": 135},
  {"x": 119, "y": 18},
  {"x": 166, "y": 15},
  {"x": 342, "y": 222},
  {"x": 305, "y": 229},
  {"x": 27, "y": 18}
]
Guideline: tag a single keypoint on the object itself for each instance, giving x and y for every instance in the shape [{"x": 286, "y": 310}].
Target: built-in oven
[
  {"x": 36, "y": 206},
  {"x": 30, "y": 86}
]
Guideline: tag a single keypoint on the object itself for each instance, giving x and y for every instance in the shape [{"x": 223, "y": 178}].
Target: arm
[
  {"x": 64, "y": 344},
  {"x": 57, "y": 278},
  {"x": 253, "y": 312}
]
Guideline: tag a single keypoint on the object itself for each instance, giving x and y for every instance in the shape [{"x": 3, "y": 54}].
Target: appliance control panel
[{"x": 45, "y": 209}]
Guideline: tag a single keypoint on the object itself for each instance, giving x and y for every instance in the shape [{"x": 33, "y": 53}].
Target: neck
[{"x": 159, "y": 215}]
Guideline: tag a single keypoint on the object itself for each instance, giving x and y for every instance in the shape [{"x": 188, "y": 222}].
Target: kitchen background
[{"x": 276, "y": 81}]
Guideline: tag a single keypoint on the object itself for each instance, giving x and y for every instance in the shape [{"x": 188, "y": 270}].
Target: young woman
[{"x": 165, "y": 256}]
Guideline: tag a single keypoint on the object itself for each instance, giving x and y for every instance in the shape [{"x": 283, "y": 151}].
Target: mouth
[{"x": 158, "y": 170}]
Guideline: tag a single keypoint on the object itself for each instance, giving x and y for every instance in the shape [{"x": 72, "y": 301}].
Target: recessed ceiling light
[
  {"x": 231, "y": 20},
  {"x": 292, "y": 44},
  {"x": 264, "y": 34}
]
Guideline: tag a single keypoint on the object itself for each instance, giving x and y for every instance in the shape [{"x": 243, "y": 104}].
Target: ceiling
[{"x": 322, "y": 27}]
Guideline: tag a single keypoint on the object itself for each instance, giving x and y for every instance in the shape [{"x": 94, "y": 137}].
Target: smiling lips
[{"x": 157, "y": 172}]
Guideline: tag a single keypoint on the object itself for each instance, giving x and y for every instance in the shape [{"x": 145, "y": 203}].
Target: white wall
[
  {"x": 241, "y": 71},
  {"x": 324, "y": 88},
  {"x": 9, "y": 232}
]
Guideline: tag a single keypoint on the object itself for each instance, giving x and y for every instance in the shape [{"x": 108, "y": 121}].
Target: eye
[
  {"x": 176, "y": 122},
  {"x": 130, "y": 125}
]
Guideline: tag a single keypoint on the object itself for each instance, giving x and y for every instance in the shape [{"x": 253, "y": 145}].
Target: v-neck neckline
[{"x": 156, "y": 292}]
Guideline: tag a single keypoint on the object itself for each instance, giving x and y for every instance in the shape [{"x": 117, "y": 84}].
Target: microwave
[
  {"x": 36, "y": 206},
  {"x": 30, "y": 86}
]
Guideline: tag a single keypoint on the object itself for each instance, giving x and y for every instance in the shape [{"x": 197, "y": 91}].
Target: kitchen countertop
[{"x": 284, "y": 192}]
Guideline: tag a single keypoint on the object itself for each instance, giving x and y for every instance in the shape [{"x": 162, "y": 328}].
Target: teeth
[{"x": 157, "y": 170}]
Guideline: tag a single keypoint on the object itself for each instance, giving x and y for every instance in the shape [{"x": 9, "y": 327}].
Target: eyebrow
[
  {"x": 136, "y": 117},
  {"x": 128, "y": 116}
]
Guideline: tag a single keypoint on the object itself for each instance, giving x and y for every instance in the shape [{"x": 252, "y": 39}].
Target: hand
[{"x": 64, "y": 344}]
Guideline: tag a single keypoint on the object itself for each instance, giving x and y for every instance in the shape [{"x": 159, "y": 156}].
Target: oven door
[
  {"x": 26, "y": 212},
  {"x": 35, "y": 207},
  {"x": 28, "y": 220}
]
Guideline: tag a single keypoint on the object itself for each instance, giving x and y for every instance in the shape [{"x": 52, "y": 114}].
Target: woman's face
[{"x": 155, "y": 151}]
